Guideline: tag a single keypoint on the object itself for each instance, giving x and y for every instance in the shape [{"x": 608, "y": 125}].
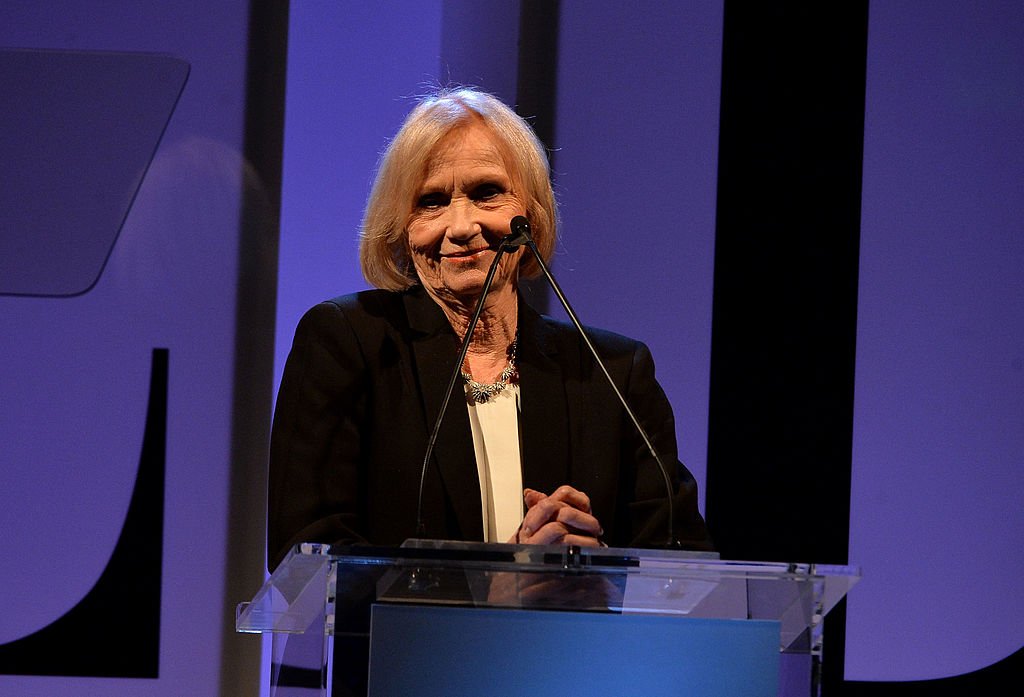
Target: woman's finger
[
  {"x": 573, "y": 497},
  {"x": 578, "y": 521},
  {"x": 544, "y": 511}
]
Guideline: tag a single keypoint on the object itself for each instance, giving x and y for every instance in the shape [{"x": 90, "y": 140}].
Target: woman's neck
[{"x": 494, "y": 333}]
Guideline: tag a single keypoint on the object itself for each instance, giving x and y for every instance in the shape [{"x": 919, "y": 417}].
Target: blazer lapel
[
  {"x": 543, "y": 418},
  {"x": 434, "y": 351}
]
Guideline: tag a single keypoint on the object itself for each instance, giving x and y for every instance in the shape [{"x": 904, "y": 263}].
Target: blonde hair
[{"x": 383, "y": 249}]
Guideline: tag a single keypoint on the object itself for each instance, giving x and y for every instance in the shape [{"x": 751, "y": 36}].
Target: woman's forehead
[
  {"x": 471, "y": 144},
  {"x": 468, "y": 142}
]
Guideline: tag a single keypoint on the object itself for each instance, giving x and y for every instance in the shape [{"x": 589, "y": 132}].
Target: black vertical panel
[
  {"x": 256, "y": 300},
  {"x": 785, "y": 285},
  {"x": 786, "y": 251},
  {"x": 536, "y": 91},
  {"x": 536, "y": 76}
]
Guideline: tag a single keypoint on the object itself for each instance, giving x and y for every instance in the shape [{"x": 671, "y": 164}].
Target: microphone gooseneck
[
  {"x": 507, "y": 244},
  {"x": 520, "y": 230}
]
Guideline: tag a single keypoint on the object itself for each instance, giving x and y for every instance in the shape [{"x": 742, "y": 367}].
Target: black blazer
[{"x": 362, "y": 388}]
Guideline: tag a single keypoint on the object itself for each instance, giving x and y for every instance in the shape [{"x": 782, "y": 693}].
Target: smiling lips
[{"x": 465, "y": 254}]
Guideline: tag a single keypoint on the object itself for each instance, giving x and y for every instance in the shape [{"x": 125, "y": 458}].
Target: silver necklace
[{"x": 481, "y": 392}]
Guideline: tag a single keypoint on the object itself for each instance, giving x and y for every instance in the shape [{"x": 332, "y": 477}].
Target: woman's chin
[{"x": 466, "y": 290}]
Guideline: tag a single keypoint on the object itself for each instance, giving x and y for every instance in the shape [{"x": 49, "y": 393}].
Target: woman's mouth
[{"x": 466, "y": 254}]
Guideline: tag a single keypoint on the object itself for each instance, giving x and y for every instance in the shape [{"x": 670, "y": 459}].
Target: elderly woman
[{"x": 537, "y": 450}]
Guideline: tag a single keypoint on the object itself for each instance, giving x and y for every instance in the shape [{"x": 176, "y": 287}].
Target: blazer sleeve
[
  {"x": 647, "y": 513},
  {"x": 316, "y": 445}
]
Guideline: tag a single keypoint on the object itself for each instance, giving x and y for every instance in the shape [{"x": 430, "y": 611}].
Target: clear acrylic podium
[{"x": 455, "y": 618}]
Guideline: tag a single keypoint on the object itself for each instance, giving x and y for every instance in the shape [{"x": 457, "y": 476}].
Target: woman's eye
[
  {"x": 485, "y": 192},
  {"x": 433, "y": 200}
]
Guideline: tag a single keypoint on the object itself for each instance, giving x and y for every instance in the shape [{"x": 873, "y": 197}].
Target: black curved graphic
[
  {"x": 992, "y": 680},
  {"x": 114, "y": 631}
]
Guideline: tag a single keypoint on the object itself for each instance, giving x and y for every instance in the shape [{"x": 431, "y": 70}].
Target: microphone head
[{"x": 519, "y": 228}]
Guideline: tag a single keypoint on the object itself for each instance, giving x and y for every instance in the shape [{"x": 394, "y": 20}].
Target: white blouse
[{"x": 495, "y": 425}]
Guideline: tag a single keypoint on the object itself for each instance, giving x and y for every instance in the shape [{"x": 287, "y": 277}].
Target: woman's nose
[{"x": 462, "y": 222}]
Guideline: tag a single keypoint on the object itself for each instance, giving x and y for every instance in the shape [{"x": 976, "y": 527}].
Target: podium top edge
[{"x": 558, "y": 557}]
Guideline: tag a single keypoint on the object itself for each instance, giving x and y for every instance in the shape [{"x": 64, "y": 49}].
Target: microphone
[
  {"x": 519, "y": 234},
  {"x": 508, "y": 243},
  {"x": 520, "y": 230}
]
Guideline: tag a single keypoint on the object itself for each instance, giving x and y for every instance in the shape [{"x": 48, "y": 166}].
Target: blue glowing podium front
[{"x": 454, "y": 618}]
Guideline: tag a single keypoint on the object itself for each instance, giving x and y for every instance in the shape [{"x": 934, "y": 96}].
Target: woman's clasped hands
[{"x": 563, "y": 517}]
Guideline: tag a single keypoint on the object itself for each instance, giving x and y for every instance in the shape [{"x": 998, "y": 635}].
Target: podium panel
[{"x": 434, "y": 651}]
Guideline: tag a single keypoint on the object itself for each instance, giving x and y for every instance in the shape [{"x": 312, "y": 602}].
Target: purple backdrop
[
  {"x": 609, "y": 83},
  {"x": 938, "y": 442},
  {"x": 353, "y": 70},
  {"x": 75, "y": 371},
  {"x": 938, "y": 461},
  {"x": 636, "y": 140}
]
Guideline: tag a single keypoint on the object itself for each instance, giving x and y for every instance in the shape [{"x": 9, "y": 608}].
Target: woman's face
[{"x": 462, "y": 210}]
